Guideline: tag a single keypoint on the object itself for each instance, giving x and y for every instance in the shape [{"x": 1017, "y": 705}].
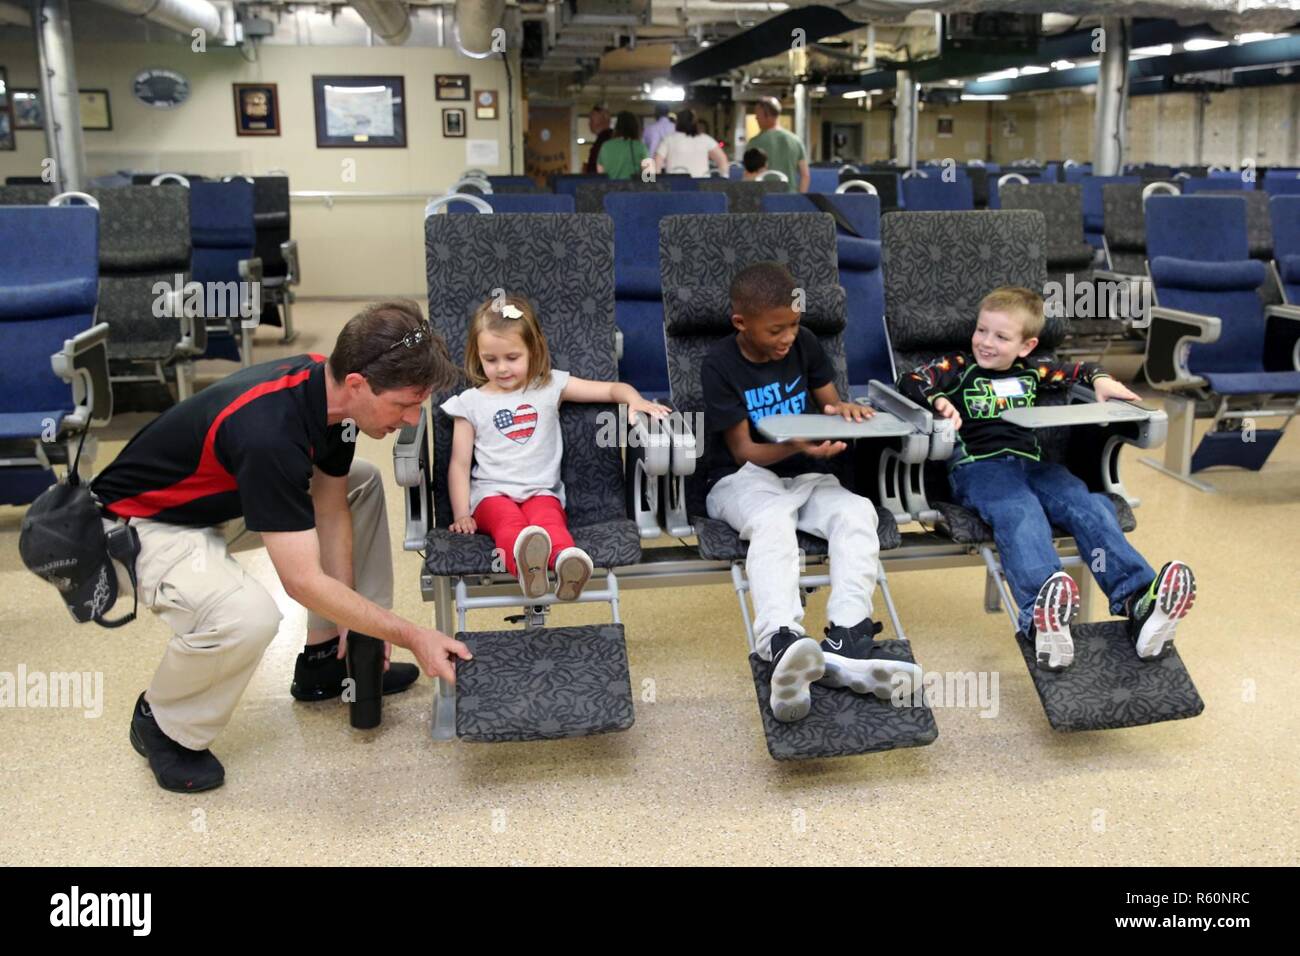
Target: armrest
[
  {"x": 652, "y": 441},
  {"x": 83, "y": 363},
  {"x": 646, "y": 466},
  {"x": 1171, "y": 332},
  {"x": 1282, "y": 331},
  {"x": 289, "y": 249},
  {"x": 918, "y": 447},
  {"x": 194, "y": 328},
  {"x": 250, "y": 293},
  {"x": 618, "y": 344},
  {"x": 410, "y": 463}
]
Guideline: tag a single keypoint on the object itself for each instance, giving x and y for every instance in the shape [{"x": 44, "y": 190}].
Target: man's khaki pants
[{"x": 222, "y": 619}]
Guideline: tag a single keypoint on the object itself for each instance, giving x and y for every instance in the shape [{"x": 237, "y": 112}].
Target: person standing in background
[
  {"x": 623, "y": 154},
  {"x": 654, "y": 132},
  {"x": 784, "y": 150},
  {"x": 688, "y": 149},
  {"x": 598, "y": 120}
]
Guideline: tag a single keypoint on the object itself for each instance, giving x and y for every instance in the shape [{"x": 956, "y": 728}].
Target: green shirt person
[
  {"x": 784, "y": 150},
  {"x": 623, "y": 153}
]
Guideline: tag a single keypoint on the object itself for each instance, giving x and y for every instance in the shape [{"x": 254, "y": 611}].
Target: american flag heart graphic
[{"x": 517, "y": 425}]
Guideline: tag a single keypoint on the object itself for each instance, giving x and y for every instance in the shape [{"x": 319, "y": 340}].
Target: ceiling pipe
[
  {"x": 388, "y": 19},
  {"x": 183, "y": 16}
]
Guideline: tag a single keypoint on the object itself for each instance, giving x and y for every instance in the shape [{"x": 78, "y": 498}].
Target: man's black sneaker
[
  {"x": 1155, "y": 613},
  {"x": 319, "y": 673},
  {"x": 1056, "y": 605},
  {"x": 796, "y": 662},
  {"x": 854, "y": 660},
  {"x": 175, "y": 767}
]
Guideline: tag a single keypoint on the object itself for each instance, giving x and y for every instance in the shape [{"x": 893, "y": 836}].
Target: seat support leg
[
  {"x": 1178, "y": 444},
  {"x": 444, "y": 697}
]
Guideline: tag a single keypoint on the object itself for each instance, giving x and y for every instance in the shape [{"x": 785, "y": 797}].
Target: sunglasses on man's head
[{"x": 411, "y": 339}]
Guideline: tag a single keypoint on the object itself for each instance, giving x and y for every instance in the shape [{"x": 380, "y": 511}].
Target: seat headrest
[
  {"x": 707, "y": 311},
  {"x": 64, "y": 297},
  {"x": 637, "y": 282},
  {"x": 858, "y": 253},
  {"x": 1198, "y": 276},
  {"x": 1290, "y": 268}
]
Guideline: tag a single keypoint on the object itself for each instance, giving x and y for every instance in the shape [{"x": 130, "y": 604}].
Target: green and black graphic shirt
[{"x": 981, "y": 396}]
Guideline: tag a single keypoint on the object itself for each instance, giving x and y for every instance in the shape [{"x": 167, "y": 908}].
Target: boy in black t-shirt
[
  {"x": 997, "y": 471},
  {"x": 765, "y": 491}
]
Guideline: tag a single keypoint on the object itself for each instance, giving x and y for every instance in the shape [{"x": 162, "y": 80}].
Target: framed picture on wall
[
  {"x": 360, "y": 111},
  {"x": 6, "y": 113},
  {"x": 944, "y": 129},
  {"x": 485, "y": 105},
  {"x": 257, "y": 109},
  {"x": 28, "y": 111},
  {"x": 451, "y": 86},
  {"x": 453, "y": 123},
  {"x": 96, "y": 113}
]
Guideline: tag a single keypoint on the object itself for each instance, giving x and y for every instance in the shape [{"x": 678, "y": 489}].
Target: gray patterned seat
[
  {"x": 27, "y": 194},
  {"x": 1062, "y": 209},
  {"x": 144, "y": 238},
  {"x": 743, "y": 197},
  {"x": 565, "y": 265},
  {"x": 698, "y": 257},
  {"x": 938, "y": 266},
  {"x": 1125, "y": 228},
  {"x": 590, "y": 197}
]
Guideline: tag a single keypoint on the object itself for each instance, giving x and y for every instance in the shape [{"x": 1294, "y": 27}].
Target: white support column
[
  {"x": 1112, "y": 98},
  {"x": 53, "y": 27},
  {"x": 905, "y": 120},
  {"x": 803, "y": 118}
]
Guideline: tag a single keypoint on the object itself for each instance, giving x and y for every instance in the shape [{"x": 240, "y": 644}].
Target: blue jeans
[{"x": 1021, "y": 500}]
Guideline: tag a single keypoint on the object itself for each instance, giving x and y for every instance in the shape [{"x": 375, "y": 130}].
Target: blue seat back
[
  {"x": 567, "y": 183},
  {"x": 1094, "y": 219},
  {"x": 222, "y": 228},
  {"x": 823, "y": 180},
  {"x": 866, "y": 341},
  {"x": 1214, "y": 181},
  {"x": 49, "y": 275},
  {"x": 1282, "y": 182},
  {"x": 932, "y": 194},
  {"x": 638, "y": 290},
  {"x": 1200, "y": 262},
  {"x": 1285, "y": 213}
]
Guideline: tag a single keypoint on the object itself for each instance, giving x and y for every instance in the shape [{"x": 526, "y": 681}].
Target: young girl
[{"x": 510, "y": 426}]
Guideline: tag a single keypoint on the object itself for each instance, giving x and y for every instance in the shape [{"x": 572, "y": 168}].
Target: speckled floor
[{"x": 691, "y": 782}]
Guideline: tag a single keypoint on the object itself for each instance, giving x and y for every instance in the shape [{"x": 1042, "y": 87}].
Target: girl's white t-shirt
[
  {"x": 689, "y": 152},
  {"x": 517, "y": 440}
]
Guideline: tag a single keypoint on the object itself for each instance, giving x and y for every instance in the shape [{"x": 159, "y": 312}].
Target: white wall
[{"x": 357, "y": 248}]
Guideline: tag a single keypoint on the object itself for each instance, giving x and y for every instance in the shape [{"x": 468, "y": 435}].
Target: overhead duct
[
  {"x": 183, "y": 16},
  {"x": 473, "y": 26},
  {"x": 767, "y": 39},
  {"x": 387, "y": 19}
]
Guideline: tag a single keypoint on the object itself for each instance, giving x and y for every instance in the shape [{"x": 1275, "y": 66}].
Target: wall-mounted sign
[{"x": 160, "y": 88}]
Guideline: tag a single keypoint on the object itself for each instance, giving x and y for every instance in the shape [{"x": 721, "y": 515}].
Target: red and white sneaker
[
  {"x": 1158, "y": 610},
  {"x": 1056, "y": 605}
]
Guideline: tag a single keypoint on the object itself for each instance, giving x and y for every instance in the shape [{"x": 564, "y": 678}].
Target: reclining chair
[
  {"x": 697, "y": 312},
  {"x": 590, "y": 197},
  {"x": 536, "y": 683},
  {"x": 866, "y": 342},
  {"x": 278, "y": 253},
  {"x": 223, "y": 233},
  {"x": 1093, "y": 209},
  {"x": 1285, "y": 212},
  {"x": 55, "y": 382},
  {"x": 743, "y": 197},
  {"x": 938, "y": 266},
  {"x": 144, "y": 242},
  {"x": 886, "y": 185},
  {"x": 638, "y": 293},
  {"x": 1069, "y": 265},
  {"x": 928, "y": 191},
  {"x": 1213, "y": 339}
]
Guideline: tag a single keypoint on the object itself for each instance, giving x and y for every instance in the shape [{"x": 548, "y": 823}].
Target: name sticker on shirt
[{"x": 1008, "y": 387}]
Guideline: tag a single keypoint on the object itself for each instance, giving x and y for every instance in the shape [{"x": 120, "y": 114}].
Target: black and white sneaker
[
  {"x": 796, "y": 663},
  {"x": 176, "y": 768},
  {"x": 1055, "y": 607},
  {"x": 1155, "y": 614},
  {"x": 319, "y": 672},
  {"x": 854, "y": 660}
]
